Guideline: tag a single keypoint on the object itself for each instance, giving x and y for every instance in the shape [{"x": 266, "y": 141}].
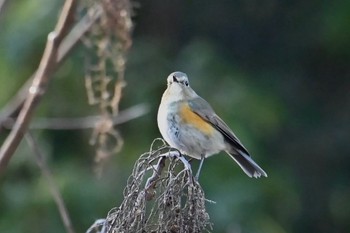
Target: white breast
[{"x": 163, "y": 122}]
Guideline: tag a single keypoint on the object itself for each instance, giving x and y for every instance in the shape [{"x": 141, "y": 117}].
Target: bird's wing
[{"x": 203, "y": 109}]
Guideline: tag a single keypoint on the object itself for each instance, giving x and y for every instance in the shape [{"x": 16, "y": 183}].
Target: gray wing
[{"x": 203, "y": 109}]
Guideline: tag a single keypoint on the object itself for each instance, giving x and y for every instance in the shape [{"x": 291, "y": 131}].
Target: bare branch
[
  {"x": 78, "y": 31},
  {"x": 13, "y": 106},
  {"x": 152, "y": 181},
  {"x": 51, "y": 182},
  {"x": 83, "y": 122},
  {"x": 40, "y": 82}
]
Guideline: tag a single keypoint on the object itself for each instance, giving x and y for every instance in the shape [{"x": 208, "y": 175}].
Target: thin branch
[
  {"x": 98, "y": 223},
  {"x": 12, "y": 107},
  {"x": 83, "y": 122},
  {"x": 78, "y": 31},
  {"x": 151, "y": 182},
  {"x": 51, "y": 182},
  {"x": 40, "y": 82}
]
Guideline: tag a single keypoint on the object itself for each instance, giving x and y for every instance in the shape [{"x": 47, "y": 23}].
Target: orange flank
[{"x": 191, "y": 118}]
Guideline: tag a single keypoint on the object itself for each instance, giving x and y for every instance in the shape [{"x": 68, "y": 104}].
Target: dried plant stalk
[
  {"x": 161, "y": 195},
  {"x": 109, "y": 41}
]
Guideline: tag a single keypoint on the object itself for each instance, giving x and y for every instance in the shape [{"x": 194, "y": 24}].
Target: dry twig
[
  {"x": 158, "y": 201},
  {"x": 110, "y": 40},
  {"x": 82, "y": 122},
  {"x": 12, "y": 107},
  {"x": 40, "y": 82}
]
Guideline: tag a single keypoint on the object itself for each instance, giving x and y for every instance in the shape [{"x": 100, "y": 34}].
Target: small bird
[{"x": 188, "y": 123}]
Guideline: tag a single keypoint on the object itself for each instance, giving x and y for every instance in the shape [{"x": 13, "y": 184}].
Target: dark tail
[{"x": 247, "y": 164}]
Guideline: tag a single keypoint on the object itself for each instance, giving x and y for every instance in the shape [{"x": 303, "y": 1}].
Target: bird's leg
[{"x": 199, "y": 168}]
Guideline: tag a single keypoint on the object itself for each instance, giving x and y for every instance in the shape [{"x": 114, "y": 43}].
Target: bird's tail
[{"x": 247, "y": 163}]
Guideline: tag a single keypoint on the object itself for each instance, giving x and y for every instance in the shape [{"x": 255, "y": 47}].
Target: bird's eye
[{"x": 186, "y": 83}]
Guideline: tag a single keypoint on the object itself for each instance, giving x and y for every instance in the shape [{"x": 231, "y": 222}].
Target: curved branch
[
  {"x": 40, "y": 82},
  {"x": 12, "y": 107}
]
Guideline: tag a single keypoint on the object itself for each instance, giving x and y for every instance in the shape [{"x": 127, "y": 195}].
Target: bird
[{"x": 189, "y": 124}]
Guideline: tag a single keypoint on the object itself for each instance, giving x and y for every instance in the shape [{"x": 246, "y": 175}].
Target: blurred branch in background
[
  {"x": 40, "y": 82},
  {"x": 159, "y": 197},
  {"x": 83, "y": 122},
  {"x": 14, "y": 105},
  {"x": 46, "y": 172},
  {"x": 109, "y": 24}
]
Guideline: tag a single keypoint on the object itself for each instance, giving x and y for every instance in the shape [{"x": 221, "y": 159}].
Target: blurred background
[{"x": 276, "y": 71}]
